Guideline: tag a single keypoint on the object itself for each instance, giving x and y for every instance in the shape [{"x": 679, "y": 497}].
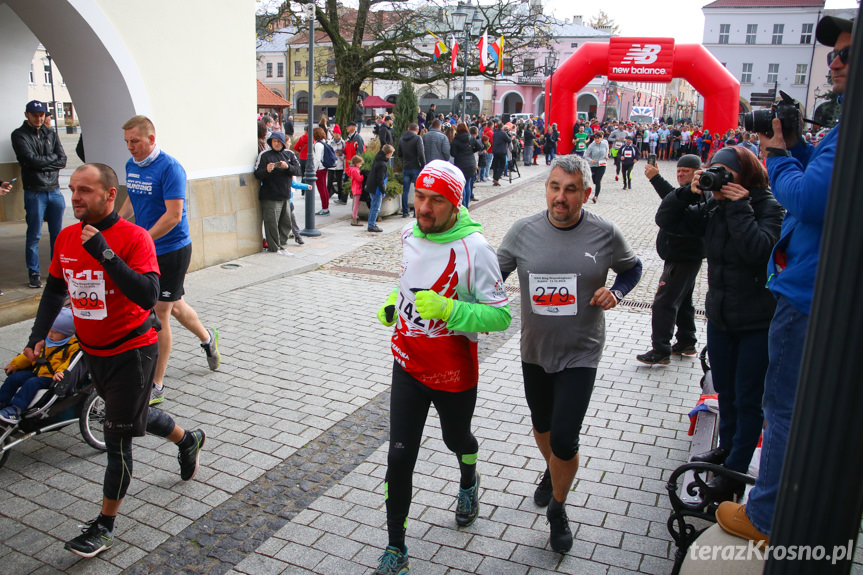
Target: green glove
[
  {"x": 387, "y": 313},
  {"x": 430, "y": 305}
]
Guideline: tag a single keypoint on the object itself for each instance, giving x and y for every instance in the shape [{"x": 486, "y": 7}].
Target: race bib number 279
[{"x": 553, "y": 294}]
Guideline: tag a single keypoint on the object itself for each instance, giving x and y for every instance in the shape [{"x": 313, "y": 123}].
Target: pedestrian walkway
[{"x": 296, "y": 420}]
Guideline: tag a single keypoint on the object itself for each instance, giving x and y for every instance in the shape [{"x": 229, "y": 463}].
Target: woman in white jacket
[{"x": 597, "y": 156}]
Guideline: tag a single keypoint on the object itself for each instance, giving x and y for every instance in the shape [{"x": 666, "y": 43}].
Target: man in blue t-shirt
[{"x": 156, "y": 184}]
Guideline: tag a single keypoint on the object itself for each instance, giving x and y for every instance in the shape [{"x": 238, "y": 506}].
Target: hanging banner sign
[{"x": 641, "y": 59}]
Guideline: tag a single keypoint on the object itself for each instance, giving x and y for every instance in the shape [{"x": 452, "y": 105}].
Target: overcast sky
[{"x": 684, "y": 21}]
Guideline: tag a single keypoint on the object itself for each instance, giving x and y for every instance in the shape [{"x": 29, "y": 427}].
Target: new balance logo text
[{"x": 642, "y": 55}]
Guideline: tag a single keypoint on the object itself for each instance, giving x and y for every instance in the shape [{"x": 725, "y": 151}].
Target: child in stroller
[{"x": 26, "y": 378}]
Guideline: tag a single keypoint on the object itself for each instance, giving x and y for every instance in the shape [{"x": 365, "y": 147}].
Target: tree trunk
[{"x": 348, "y": 94}]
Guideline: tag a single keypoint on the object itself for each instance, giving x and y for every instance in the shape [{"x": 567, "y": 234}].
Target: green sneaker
[
  {"x": 157, "y": 395},
  {"x": 394, "y": 561},
  {"x": 214, "y": 358},
  {"x": 94, "y": 539}
]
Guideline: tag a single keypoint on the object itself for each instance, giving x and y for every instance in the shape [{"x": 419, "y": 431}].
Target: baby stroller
[{"x": 70, "y": 400}]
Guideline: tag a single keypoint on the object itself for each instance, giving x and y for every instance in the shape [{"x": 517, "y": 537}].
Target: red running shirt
[{"x": 101, "y": 312}]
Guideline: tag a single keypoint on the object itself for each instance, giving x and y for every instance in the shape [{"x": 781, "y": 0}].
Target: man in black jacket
[
  {"x": 289, "y": 126},
  {"x": 41, "y": 156},
  {"x": 500, "y": 141},
  {"x": 412, "y": 152},
  {"x": 385, "y": 132},
  {"x": 275, "y": 169},
  {"x": 682, "y": 253}
]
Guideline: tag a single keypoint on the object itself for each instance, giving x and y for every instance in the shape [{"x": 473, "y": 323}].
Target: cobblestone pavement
[{"x": 296, "y": 419}]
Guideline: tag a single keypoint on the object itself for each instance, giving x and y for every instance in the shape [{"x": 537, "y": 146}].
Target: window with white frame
[
  {"x": 746, "y": 75},
  {"x": 47, "y": 69},
  {"x": 806, "y": 33},
  {"x": 778, "y": 30},
  {"x": 280, "y": 70},
  {"x": 800, "y": 75},
  {"x": 269, "y": 69},
  {"x": 724, "y": 33},
  {"x": 751, "y": 33},
  {"x": 772, "y": 73},
  {"x": 32, "y": 79}
]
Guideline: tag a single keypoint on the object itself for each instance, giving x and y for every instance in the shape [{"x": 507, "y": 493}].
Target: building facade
[{"x": 768, "y": 45}]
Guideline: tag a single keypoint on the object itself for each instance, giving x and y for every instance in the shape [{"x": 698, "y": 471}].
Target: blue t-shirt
[{"x": 149, "y": 187}]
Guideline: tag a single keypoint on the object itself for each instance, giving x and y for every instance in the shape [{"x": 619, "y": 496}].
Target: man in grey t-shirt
[{"x": 563, "y": 256}]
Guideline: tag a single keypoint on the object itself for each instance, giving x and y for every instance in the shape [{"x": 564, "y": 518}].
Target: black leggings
[
  {"x": 596, "y": 174},
  {"x": 627, "y": 175},
  {"x": 558, "y": 402},
  {"x": 409, "y": 406},
  {"x": 118, "y": 472}
]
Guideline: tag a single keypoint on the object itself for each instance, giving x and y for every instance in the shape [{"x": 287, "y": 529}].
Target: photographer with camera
[
  {"x": 731, "y": 206},
  {"x": 800, "y": 175}
]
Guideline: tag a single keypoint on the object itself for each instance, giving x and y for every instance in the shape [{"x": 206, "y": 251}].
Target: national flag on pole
[
  {"x": 439, "y": 47},
  {"x": 497, "y": 48},
  {"x": 452, "y": 62},
  {"x": 483, "y": 51}
]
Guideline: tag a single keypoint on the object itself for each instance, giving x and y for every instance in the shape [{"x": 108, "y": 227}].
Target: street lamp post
[
  {"x": 550, "y": 64},
  {"x": 309, "y": 177},
  {"x": 461, "y": 21}
]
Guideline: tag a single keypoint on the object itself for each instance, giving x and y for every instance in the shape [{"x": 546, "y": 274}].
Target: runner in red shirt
[{"x": 109, "y": 268}]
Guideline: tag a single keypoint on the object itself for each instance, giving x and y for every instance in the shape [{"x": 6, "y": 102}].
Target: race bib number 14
[{"x": 553, "y": 294}]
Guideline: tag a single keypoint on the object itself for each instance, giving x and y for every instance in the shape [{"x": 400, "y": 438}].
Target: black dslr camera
[
  {"x": 714, "y": 178},
  {"x": 786, "y": 109}
]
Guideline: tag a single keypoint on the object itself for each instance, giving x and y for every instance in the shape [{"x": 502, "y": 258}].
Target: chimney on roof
[
  {"x": 607, "y": 28},
  {"x": 566, "y": 20},
  {"x": 578, "y": 20}
]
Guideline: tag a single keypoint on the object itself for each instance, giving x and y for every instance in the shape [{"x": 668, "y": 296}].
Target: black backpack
[{"x": 366, "y": 195}]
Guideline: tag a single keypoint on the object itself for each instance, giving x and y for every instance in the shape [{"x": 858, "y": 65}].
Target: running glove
[
  {"x": 387, "y": 313},
  {"x": 430, "y": 305}
]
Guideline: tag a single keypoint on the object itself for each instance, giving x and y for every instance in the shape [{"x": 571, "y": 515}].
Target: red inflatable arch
[{"x": 642, "y": 60}]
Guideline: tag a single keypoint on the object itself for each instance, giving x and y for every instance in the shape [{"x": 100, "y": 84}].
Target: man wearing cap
[
  {"x": 682, "y": 254},
  {"x": 41, "y": 156},
  {"x": 354, "y": 143},
  {"x": 156, "y": 184},
  {"x": 563, "y": 256},
  {"x": 450, "y": 289},
  {"x": 800, "y": 177},
  {"x": 628, "y": 155}
]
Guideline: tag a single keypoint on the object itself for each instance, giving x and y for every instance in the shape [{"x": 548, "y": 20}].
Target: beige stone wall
[{"x": 224, "y": 219}]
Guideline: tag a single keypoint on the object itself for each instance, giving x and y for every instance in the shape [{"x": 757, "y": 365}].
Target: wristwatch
[
  {"x": 107, "y": 256},
  {"x": 774, "y": 152},
  {"x": 618, "y": 294}
]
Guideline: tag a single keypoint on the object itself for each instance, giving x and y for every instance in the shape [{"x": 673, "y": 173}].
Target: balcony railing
[{"x": 530, "y": 80}]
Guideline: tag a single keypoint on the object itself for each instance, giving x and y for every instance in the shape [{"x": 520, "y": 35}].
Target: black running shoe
[
  {"x": 653, "y": 357},
  {"x": 561, "y": 536},
  {"x": 467, "y": 509},
  {"x": 683, "y": 349},
  {"x": 94, "y": 539},
  {"x": 188, "y": 457},
  {"x": 542, "y": 495}
]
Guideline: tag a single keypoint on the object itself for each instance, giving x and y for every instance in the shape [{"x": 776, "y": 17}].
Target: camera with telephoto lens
[
  {"x": 787, "y": 109},
  {"x": 714, "y": 178}
]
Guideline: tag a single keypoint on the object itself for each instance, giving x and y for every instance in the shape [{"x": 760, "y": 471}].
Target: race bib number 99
[
  {"x": 88, "y": 298},
  {"x": 553, "y": 294}
]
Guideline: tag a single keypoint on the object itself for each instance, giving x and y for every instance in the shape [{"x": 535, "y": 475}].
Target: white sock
[
  {"x": 209, "y": 339},
  {"x": 157, "y": 385}
]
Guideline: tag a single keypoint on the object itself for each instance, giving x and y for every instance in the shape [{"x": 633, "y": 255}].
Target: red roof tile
[{"x": 268, "y": 99}]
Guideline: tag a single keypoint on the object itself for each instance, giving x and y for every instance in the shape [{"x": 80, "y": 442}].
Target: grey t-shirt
[{"x": 559, "y": 330}]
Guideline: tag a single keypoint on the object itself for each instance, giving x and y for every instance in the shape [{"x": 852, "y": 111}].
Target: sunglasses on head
[{"x": 841, "y": 54}]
